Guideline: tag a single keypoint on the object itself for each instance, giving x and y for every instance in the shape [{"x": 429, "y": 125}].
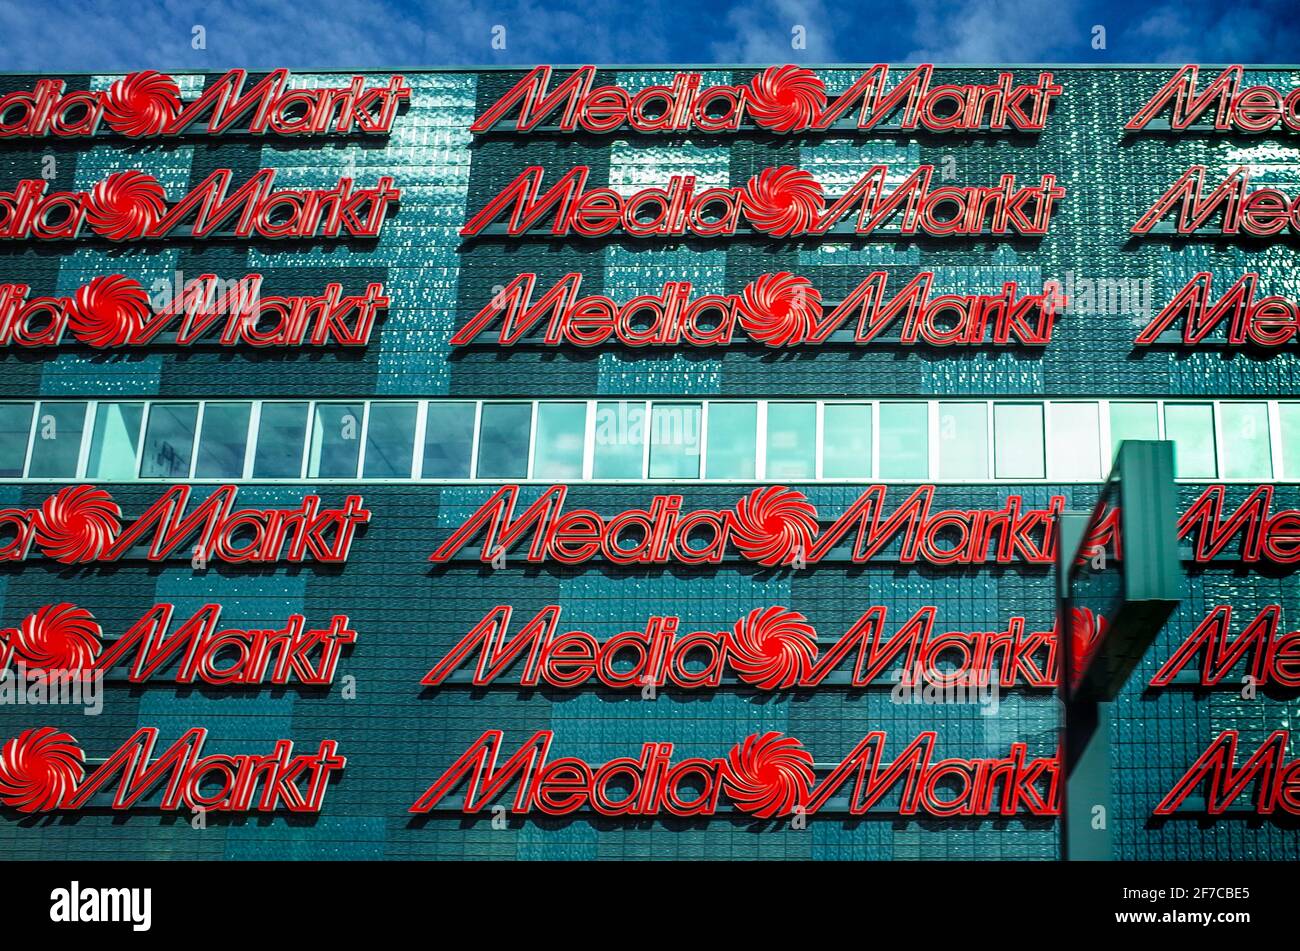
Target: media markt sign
[{"x": 627, "y": 441}]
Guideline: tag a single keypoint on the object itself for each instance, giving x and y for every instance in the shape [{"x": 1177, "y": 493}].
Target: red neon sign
[
  {"x": 775, "y": 310},
  {"x": 116, "y": 311},
  {"x": 779, "y": 99},
  {"x": 776, "y": 648},
  {"x": 1276, "y": 780},
  {"x": 768, "y": 649},
  {"x": 1269, "y": 659},
  {"x": 782, "y": 202},
  {"x": 1271, "y": 321},
  {"x": 767, "y": 776},
  {"x": 1262, "y": 213},
  {"x": 778, "y": 526},
  {"x": 66, "y": 637},
  {"x": 80, "y": 525},
  {"x": 1253, "y": 109},
  {"x": 148, "y": 104},
  {"x": 133, "y": 206},
  {"x": 44, "y": 770}
]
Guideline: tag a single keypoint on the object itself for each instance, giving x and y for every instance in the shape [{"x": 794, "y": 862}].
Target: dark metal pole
[
  {"x": 1086, "y": 806},
  {"x": 1085, "y": 739}
]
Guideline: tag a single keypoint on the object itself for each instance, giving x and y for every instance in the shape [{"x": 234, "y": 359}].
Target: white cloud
[
  {"x": 1176, "y": 34},
  {"x": 994, "y": 31},
  {"x": 761, "y": 31},
  {"x": 104, "y": 36}
]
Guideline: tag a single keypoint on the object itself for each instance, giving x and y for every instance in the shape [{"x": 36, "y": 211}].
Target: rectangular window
[
  {"x": 448, "y": 440},
  {"x": 223, "y": 441},
  {"x": 1132, "y": 421},
  {"x": 963, "y": 441},
  {"x": 904, "y": 441},
  {"x": 846, "y": 441},
  {"x": 1191, "y": 427},
  {"x": 281, "y": 436},
  {"x": 1018, "y": 441},
  {"x": 390, "y": 441},
  {"x": 561, "y": 438},
  {"x": 169, "y": 440},
  {"x": 503, "y": 441},
  {"x": 1074, "y": 451},
  {"x": 57, "y": 447},
  {"x": 1246, "y": 450},
  {"x": 733, "y": 441},
  {"x": 675, "y": 441},
  {"x": 620, "y": 440},
  {"x": 114, "y": 441},
  {"x": 791, "y": 440},
  {"x": 1289, "y": 418},
  {"x": 335, "y": 441},
  {"x": 15, "y": 429}
]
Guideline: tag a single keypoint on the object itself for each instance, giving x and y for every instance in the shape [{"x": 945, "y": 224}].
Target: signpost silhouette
[{"x": 1119, "y": 578}]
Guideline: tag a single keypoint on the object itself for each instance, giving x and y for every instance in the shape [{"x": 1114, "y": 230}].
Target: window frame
[{"x": 1275, "y": 410}]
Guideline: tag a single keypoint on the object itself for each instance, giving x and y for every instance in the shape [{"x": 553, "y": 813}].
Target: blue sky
[{"x": 99, "y": 35}]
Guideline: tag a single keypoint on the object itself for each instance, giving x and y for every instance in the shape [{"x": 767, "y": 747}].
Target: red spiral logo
[
  {"x": 1086, "y": 632},
  {"x": 785, "y": 98},
  {"x": 59, "y": 637},
  {"x": 109, "y": 311},
  {"x": 40, "y": 769},
  {"x": 783, "y": 201},
  {"x": 774, "y": 526},
  {"x": 76, "y": 524},
  {"x": 772, "y": 648},
  {"x": 769, "y": 775},
  {"x": 780, "y": 309},
  {"x": 126, "y": 205},
  {"x": 142, "y": 103}
]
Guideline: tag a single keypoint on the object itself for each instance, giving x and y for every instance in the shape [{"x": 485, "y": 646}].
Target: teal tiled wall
[{"x": 399, "y": 737}]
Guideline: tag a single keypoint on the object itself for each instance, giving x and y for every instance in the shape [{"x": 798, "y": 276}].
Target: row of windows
[{"x": 617, "y": 440}]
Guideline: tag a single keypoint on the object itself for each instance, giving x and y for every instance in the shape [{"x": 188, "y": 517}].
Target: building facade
[{"x": 968, "y": 357}]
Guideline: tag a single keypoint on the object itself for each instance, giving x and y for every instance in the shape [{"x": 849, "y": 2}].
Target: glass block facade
[{"x": 399, "y": 736}]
